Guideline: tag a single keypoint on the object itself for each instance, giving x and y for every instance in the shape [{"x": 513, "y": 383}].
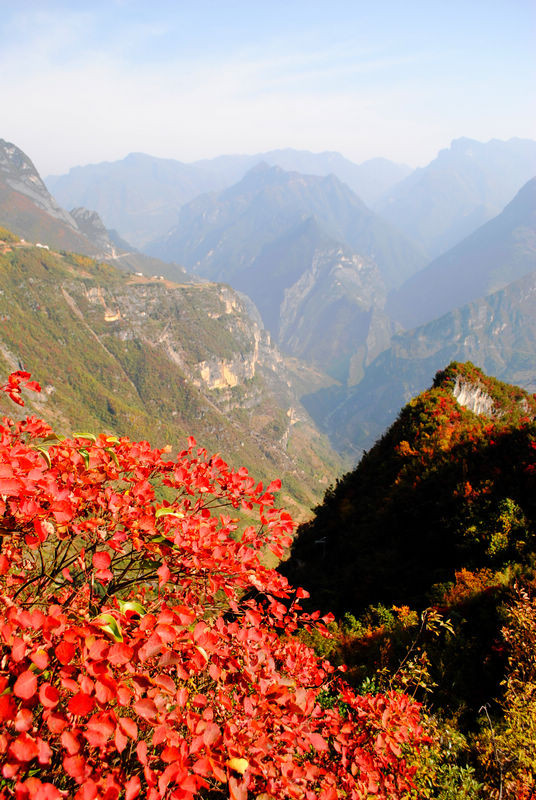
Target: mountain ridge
[
  {"x": 494, "y": 255},
  {"x": 464, "y": 186},
  {"x": 141, "y": 195}
]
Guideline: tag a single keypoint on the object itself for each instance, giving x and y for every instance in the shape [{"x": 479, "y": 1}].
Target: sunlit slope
[
  {"x": 154, "y": 360},
  {"x": 450, "y": 485}
]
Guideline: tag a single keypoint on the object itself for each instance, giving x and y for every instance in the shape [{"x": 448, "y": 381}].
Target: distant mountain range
[
  {"x": 465, "y": 186},
  {"x": 219, "y": 235},
  {"x": 141, "y": 195},
  {"x": 369, "y": 180},
  {"x": 496, "y": 254},
  {"x": 497, "y": 332},
  {"x": 309, "y": 253},
  {"x": 314, "y": 265}
]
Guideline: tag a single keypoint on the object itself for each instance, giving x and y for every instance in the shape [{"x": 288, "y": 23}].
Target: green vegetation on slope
[
  {"x": 142, "y": 357},
  {"x": 427, "y": 555},
  {"x": 425, "y": 500}
]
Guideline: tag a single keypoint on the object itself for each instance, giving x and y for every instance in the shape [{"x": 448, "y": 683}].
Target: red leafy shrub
[{"x": 145, "y": 651}]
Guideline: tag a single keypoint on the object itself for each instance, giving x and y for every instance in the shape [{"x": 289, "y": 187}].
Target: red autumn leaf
[
  {"x": 132, "y": 788},
  {"x": 24, "y": 748},
  {"x": 166, "y": 683},
  {"x": 23, "y": 720},
  {"x": 76, "y": 767},
  {"x": 170, "y": 754},
  {"x": 203, "y": 766},
  {"x": 98, "y": 730},
  {"x": 18, "y": 649},
  {"x": 70, "y": 742},
  {"x": 120, "y": 739},
  {"x": 237, "y": 789},
  {"x": 102, "y": 560},
  {"x": 11, "y": 486},
  {"x": 105, "y": 690},
  {"x": 41, "y": 791},
  {"x": 44, "y": 753},
  {"x": 318, "y": 742},
  {"x": 120, "y": 654},
  {"x": 40, "y": 658},
  {"x": 164, "y": 574},
  {"x": 88, "y": 791},
  {"x": 25, "y": 685},
  {"x": 211, "y": 734},
  {"x": 63, "y": 511},
  {"x": 146, "y": 708},
  {"x": 141, "y": 752},
  {"x": 64, "y": 652},
  {"x": 81, "y": 704},
  {"x": 129, "y": 726},
  {"x": 19, "y": 375}
]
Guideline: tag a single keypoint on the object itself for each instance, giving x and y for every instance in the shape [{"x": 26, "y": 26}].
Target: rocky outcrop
[
  {"x": 91, "y": 225},
  {"x": 18, "y": 172},
  {"x": 473, "y": 397}
]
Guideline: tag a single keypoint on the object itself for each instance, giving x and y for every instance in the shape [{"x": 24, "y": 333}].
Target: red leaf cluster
[{"x": 146, "y": 651}]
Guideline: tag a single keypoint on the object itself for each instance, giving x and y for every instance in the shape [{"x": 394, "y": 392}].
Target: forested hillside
[{"x": 426, "y": 552}]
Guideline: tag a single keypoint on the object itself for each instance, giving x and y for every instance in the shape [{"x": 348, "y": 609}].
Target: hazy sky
[{"x": 84, "y": 82}]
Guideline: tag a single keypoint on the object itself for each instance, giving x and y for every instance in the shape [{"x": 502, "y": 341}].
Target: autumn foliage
[{"x": 145, "y": 651}]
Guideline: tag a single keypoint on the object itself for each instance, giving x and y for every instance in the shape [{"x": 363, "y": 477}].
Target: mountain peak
[
  {"x": 484, "y": 395},
  {"x": 20, "y": 174}
]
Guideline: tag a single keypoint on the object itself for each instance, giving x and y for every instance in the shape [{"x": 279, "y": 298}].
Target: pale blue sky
[{"x": 92, "y": 81}]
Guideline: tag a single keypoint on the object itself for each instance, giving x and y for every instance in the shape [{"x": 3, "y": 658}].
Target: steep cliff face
[
  {"x": 90, "y": 224},
  {"x": 157, "y": 360},
  {"x": 473, "y": 397},
  {"x": 330, "y": 315}
]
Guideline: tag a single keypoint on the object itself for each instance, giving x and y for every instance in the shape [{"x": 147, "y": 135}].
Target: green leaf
[
  {"x": 110, "y": 625},
  {"x": 45, "y": 455},
  {"x": 113, "y": 455},
  {"x": 168, "y": 512},
  {"x": 85, "y": 455},
  {"x": 132, "y": 605},
  {"x": 80, "y": 435}
]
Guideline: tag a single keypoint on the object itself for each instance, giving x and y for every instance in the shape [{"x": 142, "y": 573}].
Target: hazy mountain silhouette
[
  {"x": 496, "y": 254},
  {"x": 466, "y": 185}
]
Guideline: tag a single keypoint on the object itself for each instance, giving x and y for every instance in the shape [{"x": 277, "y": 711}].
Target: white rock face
[{"x": 472, "y": 397}]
